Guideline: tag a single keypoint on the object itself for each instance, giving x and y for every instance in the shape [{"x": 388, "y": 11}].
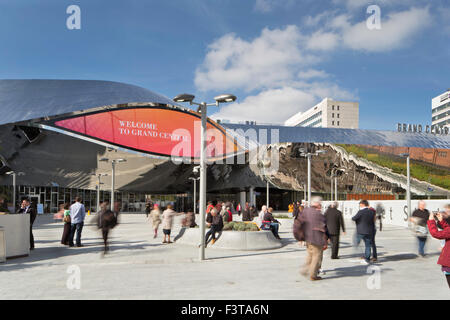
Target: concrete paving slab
[{"x": 140, "y": 267}]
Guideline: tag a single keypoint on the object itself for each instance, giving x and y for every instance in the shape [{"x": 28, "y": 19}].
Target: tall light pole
[
  {"x": 308, "y": 155},
  {"x": 113, "y": 163},
  {"x": 203, "y": 106},
  {"x": 99, "y": 183},
  {"x": 14, "y": 174},
  {"x": 195, "y": 192},
  {"x": 334, "y": 175},
  {"x": 408, "y": 183}
]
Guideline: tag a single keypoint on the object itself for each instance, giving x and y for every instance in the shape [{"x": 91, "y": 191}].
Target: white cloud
[
  {"x": 265, "y": 6},
  {"x": 280, "y": 65},
  {"x": 278, "y": 104},
  {"x": 396, "y": 31},
  {"x": 323, "y": 41},
  {"x": 311, "y": 74},
  {"x": 269, "y": 60}
]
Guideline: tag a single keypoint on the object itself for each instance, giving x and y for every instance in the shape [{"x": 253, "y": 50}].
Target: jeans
[
  {"x": 422, "y": 241},
  {"x": 78, "y": 227},
  {"x": 368, "y": 244},
  {"x": 274, "y": 227},
  {"x": 212, "y": 233}
]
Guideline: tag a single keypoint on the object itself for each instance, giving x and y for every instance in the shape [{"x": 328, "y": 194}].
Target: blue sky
[{"x": 278, "y": 56}]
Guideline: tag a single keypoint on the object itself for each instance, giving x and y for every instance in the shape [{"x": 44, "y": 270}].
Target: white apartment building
[
  {"x": 328, "y": 114},
  {"x": 440, "y": 110}
]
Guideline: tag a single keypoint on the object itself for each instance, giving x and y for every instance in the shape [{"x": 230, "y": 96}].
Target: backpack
[{"x": 299, "y": 234}]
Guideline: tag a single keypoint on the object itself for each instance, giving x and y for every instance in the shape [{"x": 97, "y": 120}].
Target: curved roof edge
[
  {"x": 342, "y": 136},
  {"x": 22, "y": 100}
]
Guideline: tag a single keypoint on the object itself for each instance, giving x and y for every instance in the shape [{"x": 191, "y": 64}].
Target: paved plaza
[{"x": 140, "y": 267}]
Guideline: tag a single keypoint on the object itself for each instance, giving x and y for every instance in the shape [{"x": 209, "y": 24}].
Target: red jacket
[{"x": 444, "y": 259}]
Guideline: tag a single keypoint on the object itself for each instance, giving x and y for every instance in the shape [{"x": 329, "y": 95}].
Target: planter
[{"x": 234, "y": 240}]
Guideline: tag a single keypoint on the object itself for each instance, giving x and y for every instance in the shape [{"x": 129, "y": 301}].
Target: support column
[
  {"x": 242, "y": 199},
  {"x": 252, "y": 196}
]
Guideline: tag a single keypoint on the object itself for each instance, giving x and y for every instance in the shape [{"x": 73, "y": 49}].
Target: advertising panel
[{"x": 161, "y": 131}]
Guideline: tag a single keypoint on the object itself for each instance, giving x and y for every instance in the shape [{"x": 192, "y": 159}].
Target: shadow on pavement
[
  {"x": 256, "y": 254},
  {"x": 353, "y": 271},
  {"x": 51, "y": 253}
]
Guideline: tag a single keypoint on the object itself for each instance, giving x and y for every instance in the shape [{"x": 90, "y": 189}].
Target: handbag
[
  {"x": 298, "y": 232},
  {"x": 67, "y": 219},
  {"x": 265, "y": 225}
]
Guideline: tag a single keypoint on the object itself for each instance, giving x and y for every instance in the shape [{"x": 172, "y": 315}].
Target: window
[
  {"x": 338, "y": 123},
  {"x": 338, "y": 108},
  {"x": 332, "y": 115},
  {"x": 338, "y": 115},
  {"x": 332, "y": 107},
  {"x": 332, "y": 123}
]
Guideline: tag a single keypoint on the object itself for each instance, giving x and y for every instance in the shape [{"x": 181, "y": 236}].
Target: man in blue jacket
[{"x": 365, "y": 227}]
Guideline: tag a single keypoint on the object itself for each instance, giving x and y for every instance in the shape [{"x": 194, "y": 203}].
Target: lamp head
[
  {"x": 224, "y": 98},
  {"x": 405, "y": 155},
  {"x": 184, "y": 97}
]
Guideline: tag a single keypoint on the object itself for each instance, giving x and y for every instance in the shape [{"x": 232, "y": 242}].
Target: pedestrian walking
[
  {"x": 238, "y": 209},
  {"x": 314, "y": 229},
  {"x": 167, "y": 222},
  {"x": 335, "y": 222},
  {"x": 67, "y": 224},
  {"x": 373, "y": 243},
  {"x": 444, "y": 234},
  {"x": 155, "y": 217},
  {"x": 419, "y": 219},
  {"x": 365, "y": 228},
  {"x": 27, "y": 208},
  {"x": 148, "y": 208},
  {"x": 380, "y": 211},
  {"x": 106, "y": 221},
  {"x": 215, "y": 225},
  {"x": 77, "y": 215}
]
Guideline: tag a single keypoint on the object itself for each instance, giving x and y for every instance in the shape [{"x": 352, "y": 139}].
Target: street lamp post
[
  {"x": 408, "y": 183},
  {"x": 308, "y": 155},
  {"x": 113, "y": 163},
  {"x": 203, "y": 106},
  {"x": 334, "y": 175},
  {"x": 99, "y": 183},
  {"x": 14, "y": 175}
]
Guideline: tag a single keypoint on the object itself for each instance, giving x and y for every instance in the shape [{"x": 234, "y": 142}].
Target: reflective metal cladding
[{"x": 22, "y": 100}]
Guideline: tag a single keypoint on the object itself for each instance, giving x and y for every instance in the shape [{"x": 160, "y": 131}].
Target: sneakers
[
  {"x": 315, "y": 278},
  {"x": 213, "y": 241},
  {"x": 364, "y": 262}
]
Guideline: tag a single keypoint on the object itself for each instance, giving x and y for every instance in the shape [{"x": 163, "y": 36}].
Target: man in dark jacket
[
  {"x": 335, "y": 221},
  {"x": 27, "y": 208},
  {"x": 216, "y": 226},
  {"x": 274, "y": 223},
  {"x": 365, "y": 227},
  {"x": 314, "y": 228}
]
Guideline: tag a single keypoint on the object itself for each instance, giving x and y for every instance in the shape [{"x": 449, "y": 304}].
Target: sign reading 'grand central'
[{"x": 159, "y": 131}]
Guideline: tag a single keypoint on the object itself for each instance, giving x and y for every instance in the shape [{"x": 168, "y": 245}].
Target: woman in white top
[{"x": 261, "y": 214}]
